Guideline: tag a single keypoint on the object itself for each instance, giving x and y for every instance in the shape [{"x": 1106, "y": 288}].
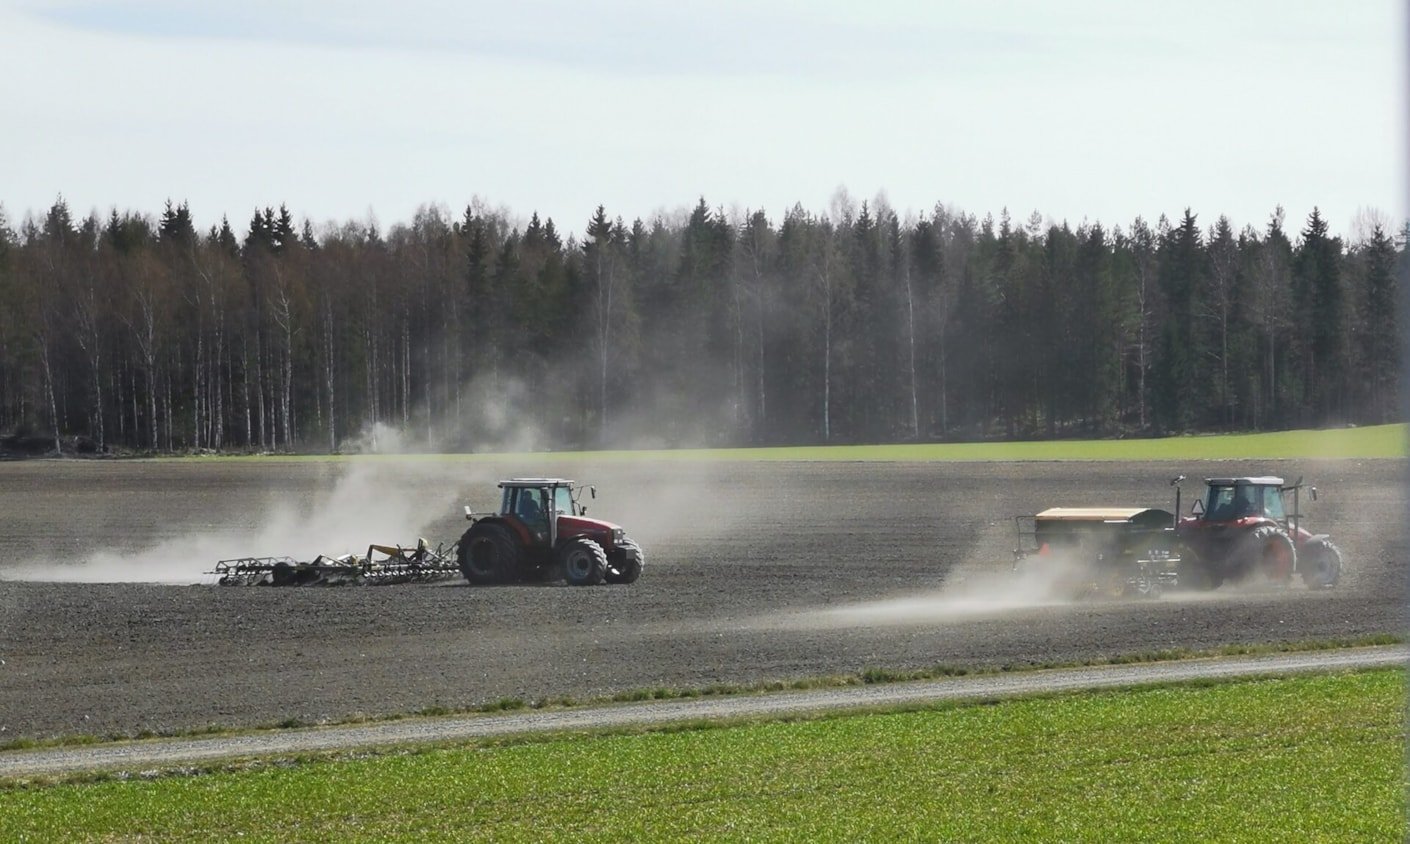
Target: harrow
[{"x": 381, "y": 564}]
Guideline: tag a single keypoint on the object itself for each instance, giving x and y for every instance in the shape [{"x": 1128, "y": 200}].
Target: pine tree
[
  {"x": 1318, "y": 299},
  {"x": 1180, "y": 382},
  {"x": 1380, "y": 349}
]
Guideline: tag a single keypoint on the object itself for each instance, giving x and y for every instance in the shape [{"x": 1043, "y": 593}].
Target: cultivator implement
[{"x": 381, "y": 564}]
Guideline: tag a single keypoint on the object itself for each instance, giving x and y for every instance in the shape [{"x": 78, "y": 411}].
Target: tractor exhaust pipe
[{"x": 1175, "y": 482}]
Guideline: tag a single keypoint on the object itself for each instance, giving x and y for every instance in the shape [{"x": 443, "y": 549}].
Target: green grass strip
[
  {"x": 1299, "y": 759},
  {"x": 1376, "y": 442}
]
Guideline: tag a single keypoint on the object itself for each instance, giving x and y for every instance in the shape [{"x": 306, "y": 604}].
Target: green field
[
  {"x": 1304, "y": 759},
  {"x": 1381, "y": 441}
]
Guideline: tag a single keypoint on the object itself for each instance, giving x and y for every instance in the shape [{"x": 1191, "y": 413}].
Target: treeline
[{"x": 472, "y": 333}]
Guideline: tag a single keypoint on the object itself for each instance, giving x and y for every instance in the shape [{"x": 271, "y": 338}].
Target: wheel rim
[
  {"x": 1321, "y": 567},
  {"x": 577, "y": 564}
]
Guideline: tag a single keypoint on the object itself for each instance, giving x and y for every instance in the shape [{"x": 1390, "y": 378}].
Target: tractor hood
[{"x": 583, "y": 526}]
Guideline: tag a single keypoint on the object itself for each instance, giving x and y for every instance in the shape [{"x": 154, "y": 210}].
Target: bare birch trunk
[
  {"x": 911, "y": 339},
  {"x": 45, "y": 361},
  {"x": 259, "y": 389},
  {"x": 827, "y": 376},
  {"x": 1141, "y": 343},
  {"x": 405, "y": 370},
  {"x": 245, "y": 388},
  {"x": 604, "y": 333},
  {"x": 329, "y": 380}
]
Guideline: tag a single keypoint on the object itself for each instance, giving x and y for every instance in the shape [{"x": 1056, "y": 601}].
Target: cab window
[
  {"x": 529, "y": 506},
  {"x": 1220, "y": 504},
  {"x": 1273, "y": 503},
  {"x": 563, "y": 500}
]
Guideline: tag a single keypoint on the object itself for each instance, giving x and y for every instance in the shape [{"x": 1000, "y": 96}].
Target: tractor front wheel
[
  {"x": 584, "y": 562},
  {"x": 630, "y": 569},
  {"x": 1320, "y": 564},
  {"x": 488, "y": 554}
]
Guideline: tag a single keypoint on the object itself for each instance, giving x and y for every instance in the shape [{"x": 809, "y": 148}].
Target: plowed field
[{"x": 755, "y": 571}]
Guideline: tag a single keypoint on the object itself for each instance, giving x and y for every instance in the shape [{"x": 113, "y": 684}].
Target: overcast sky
[{"x": 1097, "y": 110}]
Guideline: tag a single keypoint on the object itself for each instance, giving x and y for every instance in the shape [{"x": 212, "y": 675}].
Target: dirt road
[{"x": 756, "y": 571}]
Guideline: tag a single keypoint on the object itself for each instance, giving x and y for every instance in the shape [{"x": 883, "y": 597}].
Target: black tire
[
  {"x": 1320, "y": 564},
  {"x": 583, "y": 562},
  {"x": 1272, "y": 553},
  {"x": 630, "y": 570},
  {"x": 488, "y": 554},
  {"x": 1195, "y": 574}
]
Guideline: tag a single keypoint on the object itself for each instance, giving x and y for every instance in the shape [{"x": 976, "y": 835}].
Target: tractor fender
[
  {"x": 1255, "y": 522},
  {"x": 518, "y": 528},
  {"x": 602, "y": 539}
]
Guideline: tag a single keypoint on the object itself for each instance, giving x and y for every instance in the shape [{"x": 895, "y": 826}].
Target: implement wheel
[{"x": 489, "y": 554}]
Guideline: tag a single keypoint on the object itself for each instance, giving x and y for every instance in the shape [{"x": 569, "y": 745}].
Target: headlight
[{"x": 618, "y": 535}]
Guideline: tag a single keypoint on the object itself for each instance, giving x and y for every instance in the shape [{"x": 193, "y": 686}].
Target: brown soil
[{"x": 755, "y": 571}]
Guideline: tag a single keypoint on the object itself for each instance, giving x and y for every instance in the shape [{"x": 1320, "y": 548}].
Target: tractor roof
[
  {"x": 536, "y": 482},
  {"x": 1267, "y": 480}
]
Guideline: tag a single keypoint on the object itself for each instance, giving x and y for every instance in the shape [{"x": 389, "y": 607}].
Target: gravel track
[
  {"x": 166, "y": 753},
  {"x": 755, "y": 571}
]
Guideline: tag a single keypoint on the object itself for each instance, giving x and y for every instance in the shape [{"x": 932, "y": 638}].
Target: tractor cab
[
  {"x": 537, "y": 504},
  {"x": 1234, "y": 499}
]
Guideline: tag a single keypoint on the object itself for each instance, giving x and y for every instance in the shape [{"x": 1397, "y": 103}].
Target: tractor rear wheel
[
  {"x": 1195, "y": 573},
  {"x": 584, "y": 562},
  {"x": 488, "y": 554},
  {"x": 630, "y": 570},
  {"x": 1273, "y": 553},
  {"x": 1320, "y": 564}
]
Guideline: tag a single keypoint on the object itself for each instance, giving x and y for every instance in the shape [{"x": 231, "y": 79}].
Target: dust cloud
[
  {"x": 368, "y": 502},
  {"x": 973, "y": 590},
  {"x": 493, "y": 415}
]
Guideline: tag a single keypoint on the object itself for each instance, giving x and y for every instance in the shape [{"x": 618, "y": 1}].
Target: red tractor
[
  {"x": 1244, "y": 527},
  {"x": 542, "y": 532}
]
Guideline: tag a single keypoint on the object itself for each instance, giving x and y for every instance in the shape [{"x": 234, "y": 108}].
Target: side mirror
[
  {"x": 467, "y": 513},
  {"x": 1197, "y": 508}
]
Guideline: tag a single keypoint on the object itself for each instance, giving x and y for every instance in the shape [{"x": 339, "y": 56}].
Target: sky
[{"x": 368, "y": 110}]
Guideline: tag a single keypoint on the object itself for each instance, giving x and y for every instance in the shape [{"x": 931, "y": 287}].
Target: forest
[{"x": 483, "y": 332}]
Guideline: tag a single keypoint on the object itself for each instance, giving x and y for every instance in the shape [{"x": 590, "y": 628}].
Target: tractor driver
[
  {"x": 1244, "y": 503},
  {"x": 529, "y": 510}
]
